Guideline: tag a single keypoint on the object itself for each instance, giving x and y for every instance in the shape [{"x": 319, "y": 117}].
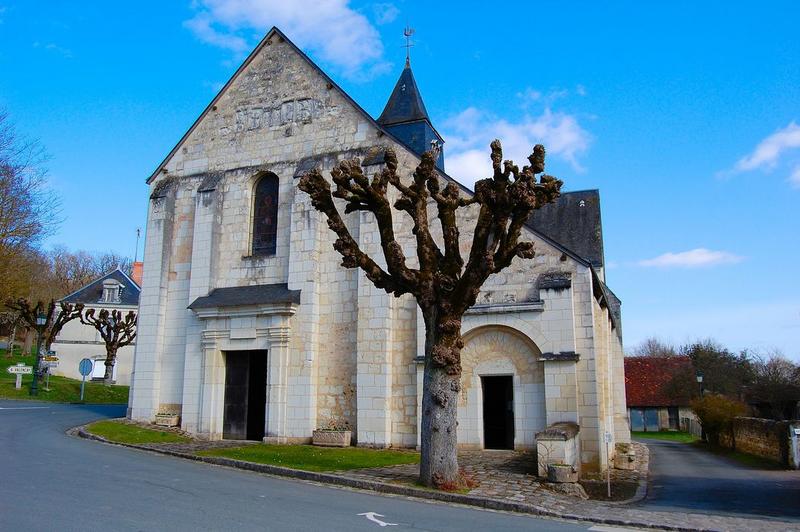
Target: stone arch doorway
[{"x": 502, "y": 400}]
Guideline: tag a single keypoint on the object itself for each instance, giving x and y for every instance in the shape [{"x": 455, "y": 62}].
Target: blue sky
[{"x": 685, "y": 116}]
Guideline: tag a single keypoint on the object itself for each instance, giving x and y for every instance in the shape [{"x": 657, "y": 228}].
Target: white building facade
[
  {"x": 76, "y": 341},
  {"x": 249, "y": 327}
]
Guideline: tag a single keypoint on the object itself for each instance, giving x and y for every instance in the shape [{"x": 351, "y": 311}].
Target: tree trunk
[
  {"x": 111, "y": 358},
  {"x": 11, "y": 340},
  {"x": 26, "y": 349},
  {"x": 441, "y": 385}
]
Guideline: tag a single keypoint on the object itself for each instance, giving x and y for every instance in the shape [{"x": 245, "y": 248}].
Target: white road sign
[{"x": 20, "y": 369}]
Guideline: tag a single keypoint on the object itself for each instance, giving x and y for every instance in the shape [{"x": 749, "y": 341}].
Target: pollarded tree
[
  {"x": 47, "y": 321},
  {"x": 443, "y": 285},
  {"x": 53, "y": 316},
  {"x": 116, "y": 330}
]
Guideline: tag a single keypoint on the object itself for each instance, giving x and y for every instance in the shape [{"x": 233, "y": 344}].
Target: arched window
[{"x": 265, "y": 215}]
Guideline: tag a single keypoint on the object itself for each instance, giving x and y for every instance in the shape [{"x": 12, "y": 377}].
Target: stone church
[{"x": 250, "y": 328}]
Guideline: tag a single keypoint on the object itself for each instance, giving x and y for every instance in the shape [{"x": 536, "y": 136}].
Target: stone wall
[{"x": 766, "y": 438}]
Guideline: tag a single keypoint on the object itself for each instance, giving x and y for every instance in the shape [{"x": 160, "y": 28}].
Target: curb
[{"x": 394, "y": 489}]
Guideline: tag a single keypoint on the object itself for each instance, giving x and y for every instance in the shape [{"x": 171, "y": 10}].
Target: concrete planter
[
  {"x": 561, "y": 473},
  {"x": 168, "y": 420},
  {"x": 331, "y": 438}
]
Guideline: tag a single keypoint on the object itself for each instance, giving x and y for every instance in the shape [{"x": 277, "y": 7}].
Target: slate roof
[
  {"x": 239, "y": 296},
  {"x": 649, "y": 381},
  {"x": 405, "y": 104},
  {"x": 93, "y": 292},
  {"x": 573, "y": 221}
]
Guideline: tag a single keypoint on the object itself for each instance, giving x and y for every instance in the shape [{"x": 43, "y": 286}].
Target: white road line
[{"x": 22, "y": 407}]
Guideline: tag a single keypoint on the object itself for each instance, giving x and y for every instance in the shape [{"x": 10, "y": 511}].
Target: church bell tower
[{"x": 405, "y": 115}]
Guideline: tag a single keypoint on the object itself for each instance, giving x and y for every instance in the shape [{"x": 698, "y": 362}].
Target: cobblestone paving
[{"x": 510, "y": 476}]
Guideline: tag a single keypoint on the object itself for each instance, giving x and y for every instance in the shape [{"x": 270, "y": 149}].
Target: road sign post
[
  {"x": 19, "y": 370},
  {"x": 85, "y": 367},
  {"x": 49, "y": 362},
  {"x": 608, "y": 462}
]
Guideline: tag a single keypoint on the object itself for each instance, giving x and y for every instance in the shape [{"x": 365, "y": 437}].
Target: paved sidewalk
[{"x": 506, "y": 483}]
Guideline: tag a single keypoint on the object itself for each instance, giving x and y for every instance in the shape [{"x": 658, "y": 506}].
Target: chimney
[{"x": 136, "y": 272}]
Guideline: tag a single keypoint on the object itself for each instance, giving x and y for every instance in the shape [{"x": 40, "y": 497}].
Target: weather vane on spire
[{"x": 408, "y": 31}]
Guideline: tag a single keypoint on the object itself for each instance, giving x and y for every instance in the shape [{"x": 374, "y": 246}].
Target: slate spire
[
  {"x": 405, "y": 104},
  {"x": 406, "y": 118}
]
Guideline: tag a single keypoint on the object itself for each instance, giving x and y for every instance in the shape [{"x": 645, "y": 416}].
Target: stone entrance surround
[{"x": 266, "y": 327}]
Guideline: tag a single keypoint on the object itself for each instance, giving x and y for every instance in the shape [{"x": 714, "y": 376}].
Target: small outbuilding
[{"x": 658, "y": 392}]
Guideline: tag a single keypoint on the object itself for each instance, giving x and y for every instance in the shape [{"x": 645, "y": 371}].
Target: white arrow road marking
[
  {"x": 22, "y": 407},
  {"x": 372, "y": 516},
  {"x": 604, "y": 528}
]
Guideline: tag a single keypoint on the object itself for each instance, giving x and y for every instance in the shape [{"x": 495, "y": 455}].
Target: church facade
[{"x": 249, "y": 327}]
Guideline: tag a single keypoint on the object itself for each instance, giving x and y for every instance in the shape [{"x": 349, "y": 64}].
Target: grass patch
[
  {"x": 62, "y": 389},
  {"x": 666, "y": 435},
  {"x": 127, "y": 433},
  {"x": 311, "y": 458}
]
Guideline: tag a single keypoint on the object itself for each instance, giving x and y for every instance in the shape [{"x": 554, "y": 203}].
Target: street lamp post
[
  {"x": 41, "y": 320},
  {"x": 699, "y": 376}
]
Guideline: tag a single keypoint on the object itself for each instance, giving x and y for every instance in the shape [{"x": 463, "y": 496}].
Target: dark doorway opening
[
  {"x": 498, "y": 412},
  {"x": 245, "y": 395}
]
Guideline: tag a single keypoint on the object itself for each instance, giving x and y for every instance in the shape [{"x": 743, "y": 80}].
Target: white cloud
[
  {"x": 201, "y": 26},
  {"x": 52, "y": 47},
  {"x": 794, "y": 179},
  {"x": 738, "y": 325},
  {"x": 769, "y": 150},
  {"x": 385, "y": 13},
  {"x": 334, "y": 32},
  {"x": 695, "y": 258},
  {"x": 469, "y": 133}
]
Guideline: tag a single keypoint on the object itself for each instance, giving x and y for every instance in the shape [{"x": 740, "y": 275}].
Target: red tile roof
[{"x": 659, "y": 381}]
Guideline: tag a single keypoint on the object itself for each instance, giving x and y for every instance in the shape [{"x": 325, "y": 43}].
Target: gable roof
[
  {"x": 658, "y": 381},
  {"x": 273, "y": 32},
  {"x": 92, "y": 293},
  {"x": 573, "y": 220},
  {"x": 405, "y": 104},
  {"x": 386, "y": 131}
]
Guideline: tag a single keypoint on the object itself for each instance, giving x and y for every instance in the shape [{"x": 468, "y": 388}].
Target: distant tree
[
  {"x": 682, "y": 385},
  {"x": 776, "y": 386},
  {"x": 723, "y": 372},
  {"x": 71, "y": 270},
  {"x": 108, "y": 261},
  {"x": 28, "y": 208},
  {"x": 654, "y": 347},
  {"x": 443, "y": 286},
  {"x": 116, "y": 330}
]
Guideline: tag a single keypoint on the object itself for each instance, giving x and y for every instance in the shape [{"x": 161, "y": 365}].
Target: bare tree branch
[{"x": 443, "y": 286}]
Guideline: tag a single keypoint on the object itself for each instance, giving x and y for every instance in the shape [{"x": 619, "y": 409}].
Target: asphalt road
[
  {"x": 685, "y": 478},
  {"x": 51, "y": 481}
]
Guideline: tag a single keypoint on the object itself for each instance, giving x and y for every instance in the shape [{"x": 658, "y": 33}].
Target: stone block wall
[{"x": 766, "y": 438}]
